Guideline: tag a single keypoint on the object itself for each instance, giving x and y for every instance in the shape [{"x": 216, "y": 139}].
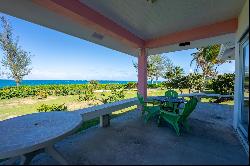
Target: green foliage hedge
[
  {"x": 154, "y": 86},
  {"x": 53, "y": 107},
  {"x": 42, "y": 91},
  {"x": 84, "y": 90},
  {"x": 87, "y": 95},
  {"x": 223, "y": 84},
  {"x": 131, "y": 85},
  {"x": 116, "y": 95},
  {"x": 193, "y": 81}
]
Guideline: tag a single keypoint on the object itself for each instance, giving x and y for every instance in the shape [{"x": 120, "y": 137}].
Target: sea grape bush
[
  {"x": 223, "y": 84},
  {"x": 87, "y": 95},
  {"x": 154, "y": 86},
  {"x": 93, "y": 82},
  {"x": 181, "y": 82},
  {"x": 42, "y": 94},
  {"x": 42, "y": 91},
  {"x": 131, "y": 85},
  {"x": 27, "y": 91},
  {"x": 51, "y": 90},
  {"x": 193, "y": 81},
  {"x": 53, "y": 107},
  {"x": 116, "y": 95},
  {"x": 196, "y": 81}
]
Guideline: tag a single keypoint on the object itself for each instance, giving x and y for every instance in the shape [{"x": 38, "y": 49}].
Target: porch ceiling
[
  {"x": 163, "y": 17},
  {"x": 126, "y": 25}
]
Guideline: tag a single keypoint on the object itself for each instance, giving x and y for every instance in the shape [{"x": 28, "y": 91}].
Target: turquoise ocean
[{"x": 6, "y": 83}]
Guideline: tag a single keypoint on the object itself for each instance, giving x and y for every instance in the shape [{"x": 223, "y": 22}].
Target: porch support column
[
  {"x": 142, "y": 73},
  {"x": 105, "y": 120}
]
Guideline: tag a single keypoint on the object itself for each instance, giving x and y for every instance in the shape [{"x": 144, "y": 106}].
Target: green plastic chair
[
  {"x": 176, "y": 120},
  {"x": 170, "y": 106},
  {"x": 148, "y": 111},
  {"x": 171, "y": 93}
]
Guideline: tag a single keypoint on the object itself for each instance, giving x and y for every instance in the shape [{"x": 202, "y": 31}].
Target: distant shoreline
[{"x": 6, "y": 82}]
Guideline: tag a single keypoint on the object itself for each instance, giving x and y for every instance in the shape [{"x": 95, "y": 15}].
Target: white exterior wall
[
  {"x": 243, "y": 21},
  {"x": 237, "y": 87},
  {"x": 243, "y": 25}
]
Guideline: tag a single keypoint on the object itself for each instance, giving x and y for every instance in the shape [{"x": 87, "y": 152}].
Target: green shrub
[
  {"x": 167, "y": 84},
  {"x": 208, "y": 84},
  {"x": 40, "y": 90},
  {"x": 57, "y": 90},
  {"x": 87, "y": 95},
  {"x": 154, "y": 86},
  {"x": 93, "y": 82},
  {"x": 193, "y": 81},
  {"x": 196, "y": 81},
  {"x": 42, "y": 94},
  {"x": 53, "y": 107},
  {"x": 131, "y": 85},
  {"x": 116, "y": 95},
  {"x": 223, "y": 84}
]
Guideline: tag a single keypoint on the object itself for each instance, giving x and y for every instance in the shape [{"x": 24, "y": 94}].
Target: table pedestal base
[{"x": 27, "y": 158}]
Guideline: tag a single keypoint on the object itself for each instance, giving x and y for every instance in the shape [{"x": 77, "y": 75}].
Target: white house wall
[{"x": 243, "y": 25}]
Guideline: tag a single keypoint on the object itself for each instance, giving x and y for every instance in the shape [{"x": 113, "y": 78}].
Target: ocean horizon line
[
  {"x": 64, "y": 80},
  {"x": 10, "y": 82}
]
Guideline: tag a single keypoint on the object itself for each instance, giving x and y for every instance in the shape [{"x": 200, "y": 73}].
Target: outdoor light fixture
[
  {"x": 184, "y": 44},
  {"x": 97, "y": 36}
]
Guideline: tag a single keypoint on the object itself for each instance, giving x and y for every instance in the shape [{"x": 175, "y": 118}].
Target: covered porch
[
  {"x": 129, "y": 140},
  {"x": 142, "y": 28}
]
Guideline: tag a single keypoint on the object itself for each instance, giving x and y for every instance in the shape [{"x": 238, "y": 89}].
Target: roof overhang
[
  {"x": 227, "y": 51},
  {"x": 125, "y": 26}
]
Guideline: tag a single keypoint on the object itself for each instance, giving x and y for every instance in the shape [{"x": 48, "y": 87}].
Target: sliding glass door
[{"x": 244, "y": 112}]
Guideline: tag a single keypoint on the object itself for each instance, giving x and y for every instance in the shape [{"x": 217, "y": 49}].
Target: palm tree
[
  {"x": 206, "y": 58},
  {"x": 173, "y": 72}
]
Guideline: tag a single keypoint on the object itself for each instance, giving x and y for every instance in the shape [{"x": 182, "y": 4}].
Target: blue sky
[{"x": 60, "y": 56}]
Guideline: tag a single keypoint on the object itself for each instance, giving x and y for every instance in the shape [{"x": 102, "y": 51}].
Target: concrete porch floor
[{"x": 129, "y": 140}]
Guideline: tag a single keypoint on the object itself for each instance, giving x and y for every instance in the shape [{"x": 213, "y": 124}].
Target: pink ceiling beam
[
  {"x": 220, "y": 28},
  {"x": 83, "y": 14}
]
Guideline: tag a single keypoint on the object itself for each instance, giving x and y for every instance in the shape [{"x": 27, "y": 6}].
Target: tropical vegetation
[
  {"x": 157, "y": 65},
  {"x": 16, "y": 60}
]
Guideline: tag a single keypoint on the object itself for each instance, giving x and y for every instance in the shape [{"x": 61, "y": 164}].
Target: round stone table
[{"x": 25, "y": 136}]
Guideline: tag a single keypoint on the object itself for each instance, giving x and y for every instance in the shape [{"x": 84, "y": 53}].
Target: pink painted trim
[
  {"x": 142, "y": 73},
  {"x": 91, "y": 18},
  {"x": 86, "y": 16},
  {"x": 220, "y": 28}
]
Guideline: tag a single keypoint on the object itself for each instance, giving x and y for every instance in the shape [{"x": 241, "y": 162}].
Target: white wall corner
[
  {"x": 243, "y": 21},
  {"x": 237, "y": 86}
]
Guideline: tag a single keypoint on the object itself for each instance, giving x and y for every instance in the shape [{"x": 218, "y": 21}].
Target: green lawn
[{"x": 21, "y": 106}]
